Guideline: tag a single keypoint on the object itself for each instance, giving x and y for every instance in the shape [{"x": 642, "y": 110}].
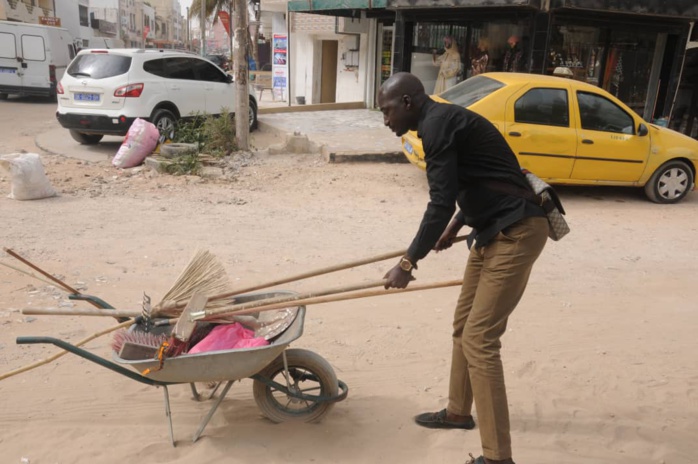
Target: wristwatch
[{"x": 406, "y": 265}]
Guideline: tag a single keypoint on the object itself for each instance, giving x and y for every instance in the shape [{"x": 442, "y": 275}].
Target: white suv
[{"x": 104, "y": 91}]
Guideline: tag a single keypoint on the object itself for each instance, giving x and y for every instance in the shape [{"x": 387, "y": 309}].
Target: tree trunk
[{"x": 242, "y": 99}]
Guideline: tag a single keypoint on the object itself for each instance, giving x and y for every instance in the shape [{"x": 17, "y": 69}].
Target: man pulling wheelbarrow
[{"x": 470, "y": 164}]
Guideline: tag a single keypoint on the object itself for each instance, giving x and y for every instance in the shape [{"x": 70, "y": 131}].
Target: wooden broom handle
[
  {"x": 350, "y": 296},
  {"x": 266, "y": 307},
  {"x": 41, "y": 271},
  {"x": 305, "y": 275},
  {"x": 285, "y": 299}
]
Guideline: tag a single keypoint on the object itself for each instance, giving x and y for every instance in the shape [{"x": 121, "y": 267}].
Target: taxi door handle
[
  {"x": 587, "y": 141},
  {"x": 515, "y": 134}
]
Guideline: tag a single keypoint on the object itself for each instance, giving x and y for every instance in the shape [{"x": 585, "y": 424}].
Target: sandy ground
[{"x": 599, "y": 357}]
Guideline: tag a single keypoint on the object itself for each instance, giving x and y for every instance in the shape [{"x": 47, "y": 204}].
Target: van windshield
[
  {"x": 471, "y": 90},
  {"x": 99, "y": 65}
]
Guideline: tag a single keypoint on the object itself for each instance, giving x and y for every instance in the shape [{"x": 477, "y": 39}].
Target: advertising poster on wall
[{"x": 280, "y": 66}]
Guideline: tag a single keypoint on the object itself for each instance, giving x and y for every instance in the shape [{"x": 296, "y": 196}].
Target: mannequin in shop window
[
  {"x": 513, "y": 58},
  {"x": 449, "y": 65},
  {"x": 481, "y": 58}
]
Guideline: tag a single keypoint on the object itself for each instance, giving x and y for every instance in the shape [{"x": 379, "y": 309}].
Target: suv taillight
[
  {"x": 59, "y": 89},
  {"x": 131, "y": 90}
]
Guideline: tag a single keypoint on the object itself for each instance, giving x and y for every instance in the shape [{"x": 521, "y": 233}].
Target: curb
[{"x": 393, "y": 157}]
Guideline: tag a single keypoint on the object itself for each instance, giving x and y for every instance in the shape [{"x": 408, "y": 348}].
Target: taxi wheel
[{"x": 670, "y": 183}]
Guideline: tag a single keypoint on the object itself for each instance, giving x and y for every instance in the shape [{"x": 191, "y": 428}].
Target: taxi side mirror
[{"x": 642, "y": 130}]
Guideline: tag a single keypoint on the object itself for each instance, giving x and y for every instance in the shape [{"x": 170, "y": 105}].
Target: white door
[
  {"x": 183, "y": 89},
  {"x": 10, "y": 69},
  {"x": 35, "y": 71}
]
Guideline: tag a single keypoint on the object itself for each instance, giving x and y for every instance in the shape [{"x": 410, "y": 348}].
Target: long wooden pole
[
  {"x": 267, "y": 306},
  {"x": 305, "y": 275}
]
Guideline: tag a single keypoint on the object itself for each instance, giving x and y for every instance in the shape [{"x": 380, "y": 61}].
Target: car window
[
  {"x": 156, "y": 67},
  {"x": 543, "y": 106},
  {"x": 99, "y": 65},
  {"x": 180, "y": 68},
  {"x": 471, "y": 90},
  {"x": 205, "y": 71},
  {"x": 600, "y": 114}
]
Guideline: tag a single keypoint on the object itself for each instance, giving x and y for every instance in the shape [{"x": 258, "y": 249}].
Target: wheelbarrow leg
[
  {"x": 204, "y": 423},
  {"x": 168, "y": 413}
]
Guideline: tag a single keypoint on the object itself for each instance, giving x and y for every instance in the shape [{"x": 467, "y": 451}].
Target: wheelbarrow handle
[{"x": 91, "y": 357}]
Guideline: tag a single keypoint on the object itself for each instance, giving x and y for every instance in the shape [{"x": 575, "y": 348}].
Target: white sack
[{"x": 29, "y": 181}]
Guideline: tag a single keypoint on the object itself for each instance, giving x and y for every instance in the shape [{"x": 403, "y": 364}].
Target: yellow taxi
[{"x": 570, "y": 132}]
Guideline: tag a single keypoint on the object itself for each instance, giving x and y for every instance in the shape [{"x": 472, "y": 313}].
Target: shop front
[{"x": 634, "y": 50}]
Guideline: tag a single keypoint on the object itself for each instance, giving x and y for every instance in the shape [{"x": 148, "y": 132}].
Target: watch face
[{"x": 406, "y": 265}]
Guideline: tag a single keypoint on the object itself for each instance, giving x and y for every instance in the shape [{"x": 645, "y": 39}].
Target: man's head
[
  {"x": 513, "y": 41},
  {"x": 401, "y": 99},
  {"x": 448, "y": 42}
]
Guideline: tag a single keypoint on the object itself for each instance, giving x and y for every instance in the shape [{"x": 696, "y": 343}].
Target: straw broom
[{"x": 204, "y": 274}]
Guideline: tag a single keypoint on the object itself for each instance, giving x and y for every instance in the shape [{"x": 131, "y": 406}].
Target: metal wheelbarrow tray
[{"x": 289, "y": 384}]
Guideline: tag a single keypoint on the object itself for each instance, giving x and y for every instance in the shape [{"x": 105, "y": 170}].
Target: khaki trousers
[{"x": 495, "y": 279}]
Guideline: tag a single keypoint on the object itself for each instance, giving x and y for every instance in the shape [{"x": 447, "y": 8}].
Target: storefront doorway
[{"x": 328, "y": 83}]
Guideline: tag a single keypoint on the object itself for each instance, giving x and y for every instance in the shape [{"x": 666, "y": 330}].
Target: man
[
  {"x": 514, "y": 56},
  {"x": 469, "y": 163},
  {"x": 449, "y": 65}
]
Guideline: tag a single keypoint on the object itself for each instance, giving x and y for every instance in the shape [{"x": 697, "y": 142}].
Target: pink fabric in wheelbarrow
[{"x": 228, "y": 337}]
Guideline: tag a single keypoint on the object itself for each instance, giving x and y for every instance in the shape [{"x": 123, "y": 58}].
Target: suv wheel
[
  {"x": 165, "y": 121},
  {"x": 86, "y": 139},
  {"x": 253, "y": 115}
]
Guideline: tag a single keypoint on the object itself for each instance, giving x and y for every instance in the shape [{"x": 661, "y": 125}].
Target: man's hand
[
  {"x": 398, "y": 278},
  {"x": 446, "y": 239}
]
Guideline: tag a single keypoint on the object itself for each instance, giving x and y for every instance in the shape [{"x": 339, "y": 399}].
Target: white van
[{"x": 33, "y": 58}]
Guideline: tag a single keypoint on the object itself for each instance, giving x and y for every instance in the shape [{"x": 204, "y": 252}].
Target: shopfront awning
[
  {"x": 687, "y": 9},
  {"x": 422, "y": 4},
  {"x": 325, "y": 6}
]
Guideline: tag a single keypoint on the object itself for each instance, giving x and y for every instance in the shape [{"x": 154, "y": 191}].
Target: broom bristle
[{"x": 204, "y": 274}]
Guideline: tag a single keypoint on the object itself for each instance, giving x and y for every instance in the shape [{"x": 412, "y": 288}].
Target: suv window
[
  {"x": 156, "y": 67},
  {"x": 599, "y": 114},
  {"x": 471, "y": 90},
  {"x": 180, "y": 68},
  {"x": 99, "y": 65},
  {"x": 205, "y": 71},
  {"x": 543, "y": 106}
]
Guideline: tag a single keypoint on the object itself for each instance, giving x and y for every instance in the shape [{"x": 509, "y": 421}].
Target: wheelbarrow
[{"x": 290, "y": 384}]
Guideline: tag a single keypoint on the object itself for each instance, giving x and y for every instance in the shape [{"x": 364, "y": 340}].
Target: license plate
[
  {"x": 92, "y": 97},
  {"x": 408, "y": 148},
  {"x": 8, "y": 70}
]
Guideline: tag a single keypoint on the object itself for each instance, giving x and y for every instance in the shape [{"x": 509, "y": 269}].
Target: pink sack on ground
[
  {"x": 228, "y": 337},
  {"x": 140, "y": 141}
]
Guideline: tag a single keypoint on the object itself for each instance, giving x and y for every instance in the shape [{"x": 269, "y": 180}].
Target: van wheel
[
  {"x": 165, "y": 121},
  {"x": 670, "y": 183},
  {"x": 253, "y": 115},
  {"x": 3, "y": 96},
  {"x": 86, "y": 139}
]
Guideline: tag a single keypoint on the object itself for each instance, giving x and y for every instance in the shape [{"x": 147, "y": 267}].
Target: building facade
[{"x": 635, "y": 50}]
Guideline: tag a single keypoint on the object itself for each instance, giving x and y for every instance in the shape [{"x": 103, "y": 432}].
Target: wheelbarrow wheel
[{"x": 309, "y": 374}]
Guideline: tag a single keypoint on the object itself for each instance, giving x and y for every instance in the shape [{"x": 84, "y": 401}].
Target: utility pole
[
  {"x": 242, "y": 99},
  {"x": 202, "y": 20},
  {"x": 188, "y": 47}
]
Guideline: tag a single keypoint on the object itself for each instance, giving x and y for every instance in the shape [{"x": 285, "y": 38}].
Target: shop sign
[
  {"x": 50, "y": 21},
  {"x": 675, "y": 8},
  {"x": 460, "y": 3}
]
